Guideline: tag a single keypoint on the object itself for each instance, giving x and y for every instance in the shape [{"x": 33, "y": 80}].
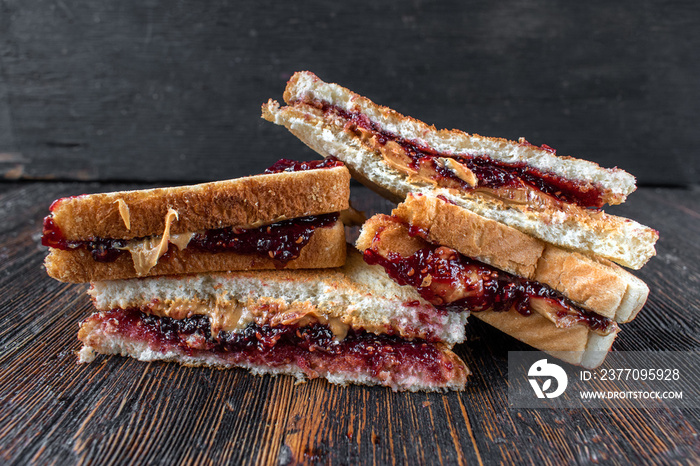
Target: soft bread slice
[
  {"x": 358, "y": 295},
  {"x": 406, "y": 375},
  {"x": 575, "y": 345},
  {"x": 594, "y": 284},
  {"x": 306, "y": 87},
  {"x": 243, "y": 202},
  {"x": 592, "y": 232},
  {"x": 326, "y": 248}
]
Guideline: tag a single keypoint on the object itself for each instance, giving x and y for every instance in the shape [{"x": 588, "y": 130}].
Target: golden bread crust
[
  {"x": 472, "y": 235},
  {"x": 326, "y": 248},
  {"x": 569, "y": 344},
  {"x": 252, "y": 200}
]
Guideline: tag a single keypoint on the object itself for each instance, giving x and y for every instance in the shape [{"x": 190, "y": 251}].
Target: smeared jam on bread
[
  {"x": 286, "y": 165},
  {"x": 312, "y": 348}
]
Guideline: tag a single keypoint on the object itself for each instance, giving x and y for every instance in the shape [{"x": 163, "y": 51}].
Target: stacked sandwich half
[
  {"x": 251, "y": 273},
  {"x": 506, "y": 230}
]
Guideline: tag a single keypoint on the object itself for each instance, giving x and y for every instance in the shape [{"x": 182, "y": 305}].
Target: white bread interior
[{"x": 359, "y": 295}]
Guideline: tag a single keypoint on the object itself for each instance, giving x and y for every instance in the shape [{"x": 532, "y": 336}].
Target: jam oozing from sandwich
[
  {"x": 102, "y": 249},
  {"x": 489, "y": 173},
  {"x": 451, "y": 281},
  {"x": 312, "y": 346},
  {"x": 286, "y": 165},
  {"x": 281, "y": 241}
]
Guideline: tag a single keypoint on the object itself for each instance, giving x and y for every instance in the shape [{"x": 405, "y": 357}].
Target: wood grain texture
[
  {"x": 116, "y": 410},
  {"x": 134, "y": 90}
]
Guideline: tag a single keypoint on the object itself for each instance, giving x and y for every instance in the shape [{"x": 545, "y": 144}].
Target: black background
[{"x": 171, "y": 91}]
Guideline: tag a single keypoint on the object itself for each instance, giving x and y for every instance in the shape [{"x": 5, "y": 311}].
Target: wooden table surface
[{"x": 53, "y": 410}]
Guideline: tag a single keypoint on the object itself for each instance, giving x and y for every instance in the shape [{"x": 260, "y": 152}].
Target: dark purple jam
[
  {"x": 280, "y": 345},
  {"x": 286, "y": 165},
  {"x": 52, "y": 235},
  {"x": 481, "y": 287},
  {"x": 102, "y": 249},
  {"x": 281, "y": 241},
  {"x": 490, "y": 173}
]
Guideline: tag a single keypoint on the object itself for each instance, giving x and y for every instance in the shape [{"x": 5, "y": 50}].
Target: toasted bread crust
[
  {"x": 618, "y": 239},
  {"x": 597, "y": 285},
  {"x": 306, "y": 87},
  {"x": 605, "y": 289},
  {"x": 252, "y": 200},
  {"x": 472, "y": 235},
  {"x": 326, "y": 248},
  {"x": 575, "y": 345}
]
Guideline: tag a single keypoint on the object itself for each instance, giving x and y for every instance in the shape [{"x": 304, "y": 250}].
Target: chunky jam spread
[
  {"x": 451, "y": 281},
  {"x": 286, "y": 165},
  {"x": 488, "y": 173},
  {"x": 280, "y": 345},
  {"x": 281, "y": 241}
]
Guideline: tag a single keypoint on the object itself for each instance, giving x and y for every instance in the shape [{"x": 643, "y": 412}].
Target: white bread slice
[
  {"x": 575, "y": 345},
  {"x": 357, "y": 295},
  {"x": 594, "y": 284},
  {"x": 591, "y": 232},
  {"x": 243, "y": 202}
]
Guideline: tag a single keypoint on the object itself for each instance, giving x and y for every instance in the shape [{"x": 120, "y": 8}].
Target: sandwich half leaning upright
[
  {"x": 565, "y": 303},
  {"x": 533, "y": 215}
]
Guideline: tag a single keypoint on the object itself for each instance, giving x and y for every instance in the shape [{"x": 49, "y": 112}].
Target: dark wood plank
[
  {"x": 95, "y": 90},
  {"x": 119, "y": 410}
]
